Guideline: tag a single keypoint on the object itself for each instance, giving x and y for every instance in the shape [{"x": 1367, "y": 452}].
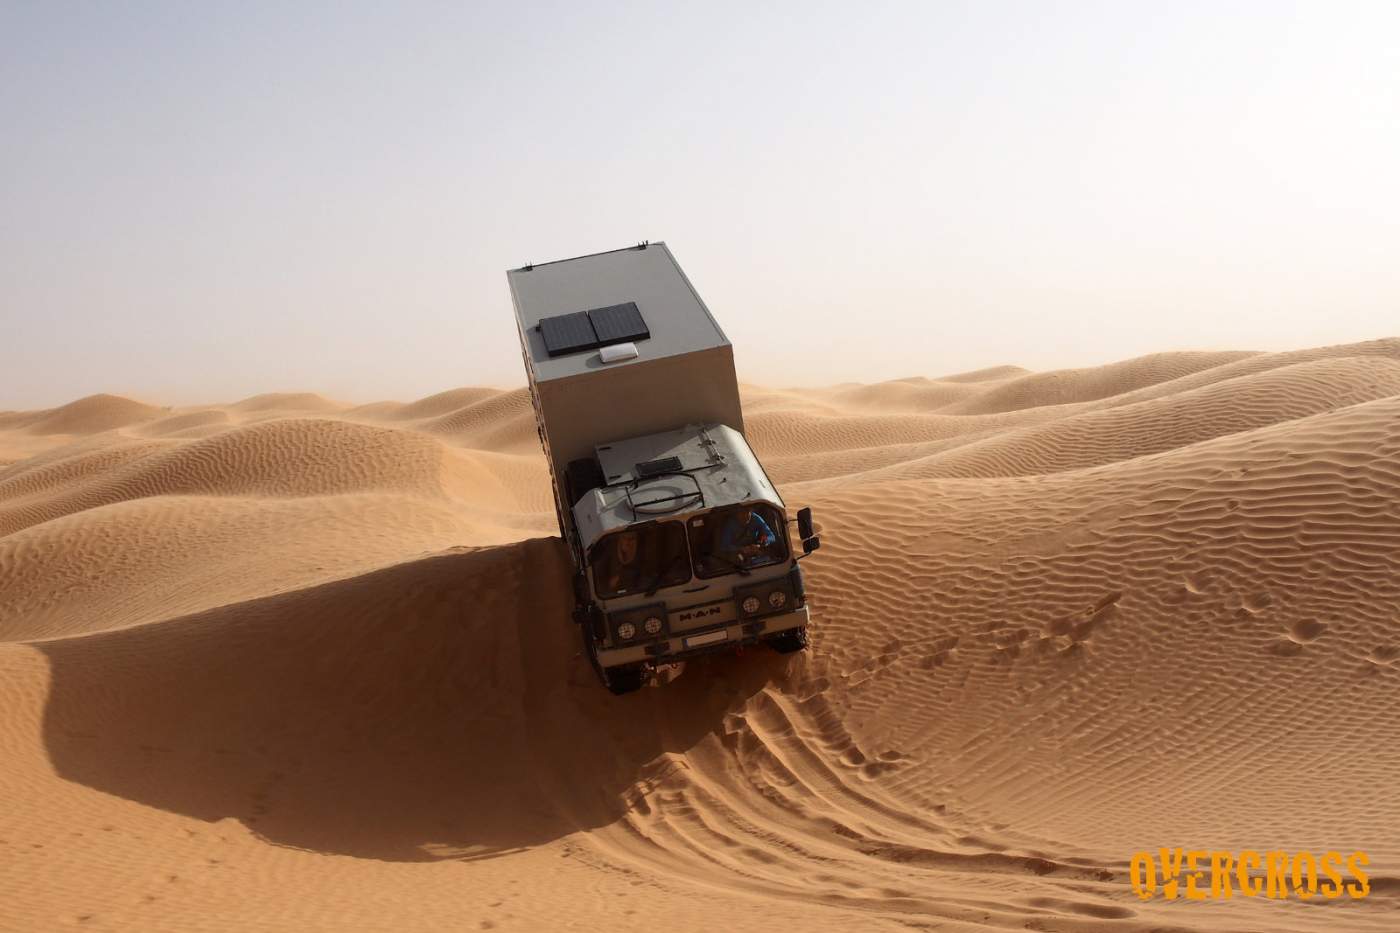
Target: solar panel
[
  {"x": 568, "y": 333},
  {"x": 618, "y": 324},
  {"x": 587, "y": 330}
]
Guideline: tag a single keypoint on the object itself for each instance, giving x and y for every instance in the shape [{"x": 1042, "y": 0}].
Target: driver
[
  {"x": 624, "y": 569},
  {"x": 745, "y": 536}
]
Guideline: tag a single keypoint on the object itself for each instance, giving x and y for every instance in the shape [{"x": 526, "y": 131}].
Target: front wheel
[
  {"x": 789, "y": 642},
  {"x": 622, "y": 680}
]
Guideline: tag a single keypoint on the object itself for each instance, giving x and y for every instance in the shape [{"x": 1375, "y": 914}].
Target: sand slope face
[{"x": 291, "y": 664}]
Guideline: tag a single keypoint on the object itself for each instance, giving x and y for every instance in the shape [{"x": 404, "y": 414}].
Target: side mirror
[
  {"x": 804, "y": 524},
  {"x": 811, "y": 544}
]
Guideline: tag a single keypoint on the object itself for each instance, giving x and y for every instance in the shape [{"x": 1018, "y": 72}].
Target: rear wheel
[{"x": 788, "y": 642}]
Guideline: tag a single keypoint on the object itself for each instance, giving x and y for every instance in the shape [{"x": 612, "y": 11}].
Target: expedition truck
[{"x": 681, "y": 545}]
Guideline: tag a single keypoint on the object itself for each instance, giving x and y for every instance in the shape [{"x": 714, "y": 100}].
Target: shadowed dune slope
[{"x": 292, "y": 664}]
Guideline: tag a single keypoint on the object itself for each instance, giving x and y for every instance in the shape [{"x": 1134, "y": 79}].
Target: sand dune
[
  {"x": 1171, "y": 422},
  {"x": 1037, "y": 390},
  {"x": 292, "y": 664},
  {"x": 285, "y": 401},
  {"x": 85, "y": 416},
  {"x": 443, "y": 403}
]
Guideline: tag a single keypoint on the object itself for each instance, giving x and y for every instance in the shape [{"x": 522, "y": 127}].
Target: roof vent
[
  {"x": 618, "y": 352},
  {"x": 657, "y": 467}
]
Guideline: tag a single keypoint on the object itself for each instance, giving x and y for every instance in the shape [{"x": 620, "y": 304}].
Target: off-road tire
[
  {"x": 618, "y": 680},
  {"x": 589, "y": 630},
  {"x": 789, "y": 642},
  {"x": 622, "y": 680}
]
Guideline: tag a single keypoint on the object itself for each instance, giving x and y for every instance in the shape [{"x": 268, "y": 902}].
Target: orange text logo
[{"x": 1199, "y": 874}]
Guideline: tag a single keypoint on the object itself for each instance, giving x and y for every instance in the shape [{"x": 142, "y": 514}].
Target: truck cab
[{"x": 680, "y": 542}]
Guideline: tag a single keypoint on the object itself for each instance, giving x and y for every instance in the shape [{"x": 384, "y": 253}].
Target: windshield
[
  {"x": 640, "y": 559},
  {"x": 737, "y": 539}
]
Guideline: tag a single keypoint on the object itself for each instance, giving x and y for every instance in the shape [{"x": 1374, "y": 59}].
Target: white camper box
[
  {"x": 682, "y": 371},
  {"x": 680, "y": 541}
]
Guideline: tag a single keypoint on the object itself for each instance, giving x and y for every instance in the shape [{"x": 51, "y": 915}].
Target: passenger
[
  {"x": 746, "y": 536},
  {"x": 624, "y": 569}
]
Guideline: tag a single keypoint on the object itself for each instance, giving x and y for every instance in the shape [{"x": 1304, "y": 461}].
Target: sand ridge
[{"x": 288, "y": 663}]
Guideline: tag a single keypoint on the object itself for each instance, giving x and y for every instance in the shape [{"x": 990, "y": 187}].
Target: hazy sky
[{"x": 202, "y": 201}]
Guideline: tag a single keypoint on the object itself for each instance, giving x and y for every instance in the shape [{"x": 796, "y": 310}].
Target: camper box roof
[
  {"x": 673, "y": 317},
  {"x": 667, "y": 363}
]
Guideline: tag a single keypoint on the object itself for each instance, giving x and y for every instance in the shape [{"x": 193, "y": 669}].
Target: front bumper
[{"x": 684, "y": 645}]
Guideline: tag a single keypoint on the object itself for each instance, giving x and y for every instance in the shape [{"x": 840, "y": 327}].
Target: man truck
[{"x": 681, "y": 545}]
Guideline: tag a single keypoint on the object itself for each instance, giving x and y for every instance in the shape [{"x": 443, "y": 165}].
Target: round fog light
[
  {"x": 777, "y": 599},
  {"x": 652, "y": 625},
  {"x": 626, "y": 630},
  {"x": 751, "y": 604}
]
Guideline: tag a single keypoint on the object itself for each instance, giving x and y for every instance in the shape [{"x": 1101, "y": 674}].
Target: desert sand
[{"x": 292, "y": 664}]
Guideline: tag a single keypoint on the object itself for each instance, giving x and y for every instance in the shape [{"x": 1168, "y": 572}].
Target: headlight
[
  {"x": 652, "y": 625},
  {"x": 777, "y": 599},
  {"x": 626, "y": 631},
  {"x": 751, "y": 605}
]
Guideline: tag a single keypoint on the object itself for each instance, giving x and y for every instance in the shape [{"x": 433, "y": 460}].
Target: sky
[{"x": 199, "y": 202}]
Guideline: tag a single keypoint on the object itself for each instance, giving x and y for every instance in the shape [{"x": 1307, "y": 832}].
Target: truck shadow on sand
[{"x": 435, "y": 709}]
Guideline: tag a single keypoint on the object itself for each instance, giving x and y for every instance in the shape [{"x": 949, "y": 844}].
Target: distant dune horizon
[
  {"x": 350, "y": 396},
  {"x": 291, "y": 393}
]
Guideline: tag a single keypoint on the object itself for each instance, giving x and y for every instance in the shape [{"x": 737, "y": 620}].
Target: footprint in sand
[
  {"x": 1300, "y": 632},
  {"x": 1383, "y": 655},
  {"x": 1256, "y": 603},
  {"x": 1196, "y": 583},
  {"x": 1304, "y": 631}
]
